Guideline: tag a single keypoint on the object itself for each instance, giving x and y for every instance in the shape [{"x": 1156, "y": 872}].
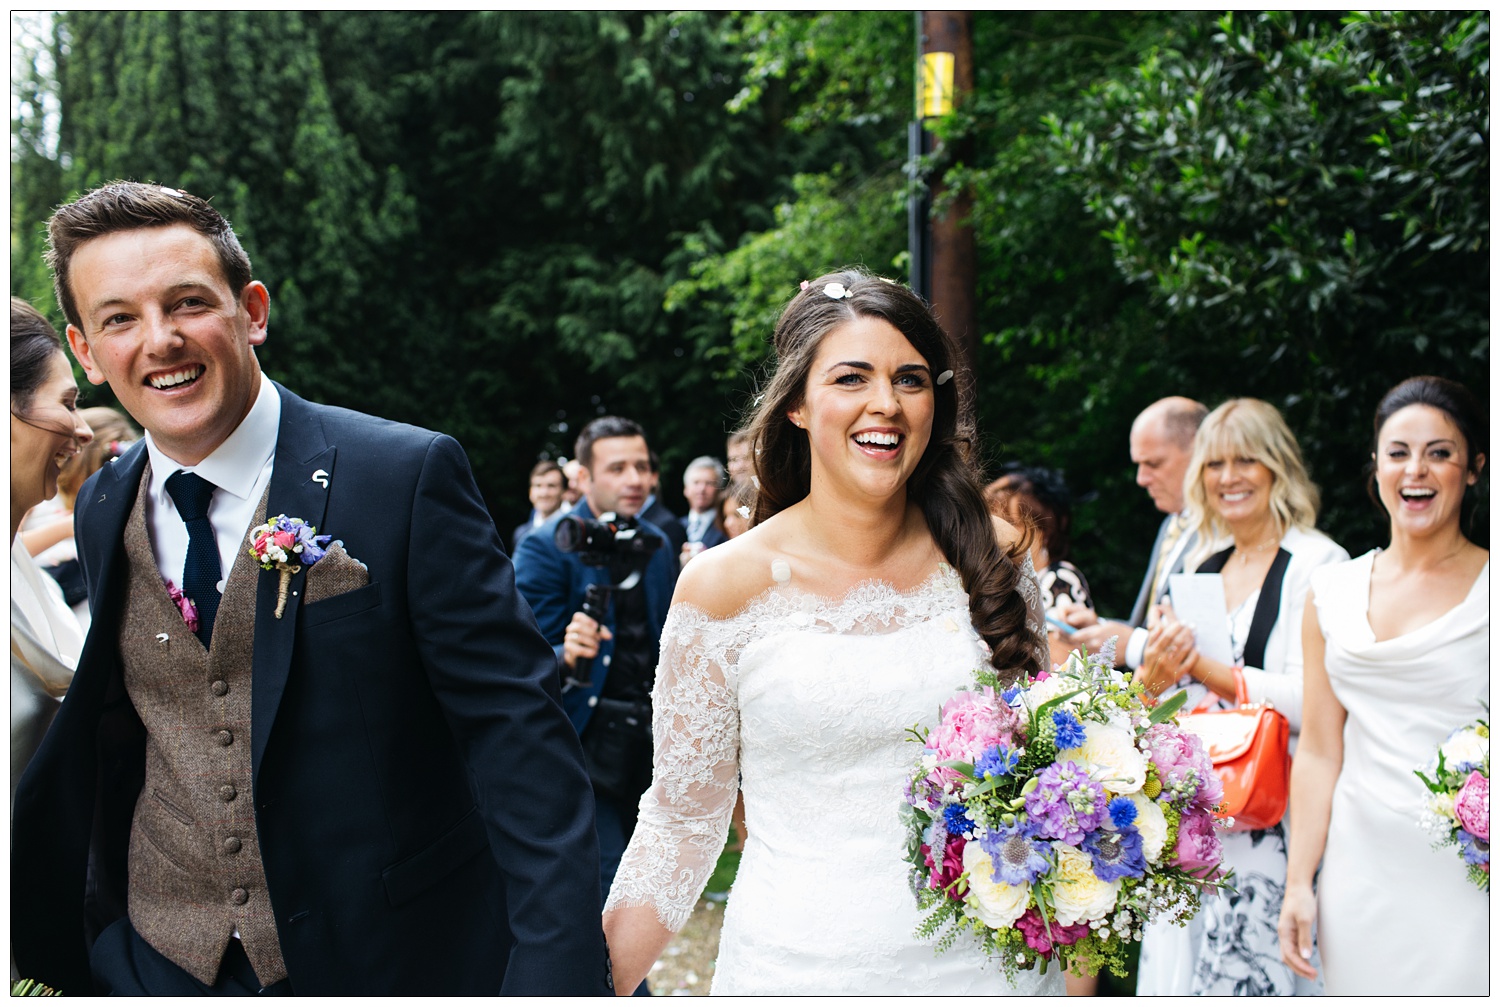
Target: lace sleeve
[
  {"x": 684, "y": 817},
  {"x": 1036, "y": 626}
]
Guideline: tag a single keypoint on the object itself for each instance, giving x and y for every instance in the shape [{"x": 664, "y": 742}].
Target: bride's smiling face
[{"x": 867, "y": 409}]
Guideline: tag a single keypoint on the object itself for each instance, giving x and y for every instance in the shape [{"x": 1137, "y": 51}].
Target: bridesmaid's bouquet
[
  {"x": 1458, "y": 807},
  {"x": 1054, "y": 819}
]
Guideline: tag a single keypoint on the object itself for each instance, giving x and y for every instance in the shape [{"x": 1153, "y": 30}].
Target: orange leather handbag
[{"x": 1248, "y": 747}]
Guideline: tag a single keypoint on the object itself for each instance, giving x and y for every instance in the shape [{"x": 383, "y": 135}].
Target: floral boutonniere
[
  {"x": 184, "y": 605},
  {"x": 286, "y": 544}
]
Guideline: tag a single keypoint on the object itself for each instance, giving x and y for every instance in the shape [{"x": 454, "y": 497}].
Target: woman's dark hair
[
  {"x": 33, "y": 342},
  {"x": 1454, "y": 401},
  {"x": 945, "y": 483},
  {"x": 1043, "y": 499}
]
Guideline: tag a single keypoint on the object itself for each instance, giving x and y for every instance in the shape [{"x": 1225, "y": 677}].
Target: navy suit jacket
[
  {"x": 420, "y": 797},
  {"x": 670, "y": 528},
  {"x": 712, "y": 536},
  {"x": 554, "y": 583}
]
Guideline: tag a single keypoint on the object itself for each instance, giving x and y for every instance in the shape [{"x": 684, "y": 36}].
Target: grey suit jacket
[{"x": 1143, "y": 602}]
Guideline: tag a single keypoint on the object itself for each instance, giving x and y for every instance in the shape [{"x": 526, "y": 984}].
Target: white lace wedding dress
[{"x": 803, "y": 703}]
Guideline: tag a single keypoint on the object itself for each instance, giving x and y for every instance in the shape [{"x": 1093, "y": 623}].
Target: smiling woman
[
  {"x": 797, "y": 655},
  {"x": 45, "y": 430}
]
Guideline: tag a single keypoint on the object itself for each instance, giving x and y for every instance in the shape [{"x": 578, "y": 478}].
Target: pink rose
[
  {"x": 953, "y": 863},
  {"x": 1198, "y": 846},
  {"x": 1176, "y": 752},
  {"x": 1472, "y": 806},
  {"x": 970, "y": 723},
  {"x": 285, "y": 539},
  {"x": 1035, "y": 929}
]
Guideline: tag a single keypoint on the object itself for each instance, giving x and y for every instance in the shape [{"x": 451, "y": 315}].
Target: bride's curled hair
[{"x": 946, "y": 482}]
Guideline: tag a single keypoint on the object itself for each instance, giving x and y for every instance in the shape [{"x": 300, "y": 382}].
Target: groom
[{"x": 370, "y": 788}]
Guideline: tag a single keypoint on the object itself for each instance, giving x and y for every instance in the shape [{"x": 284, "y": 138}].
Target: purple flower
[
  {"x": 184, "y": 605},
  {"x": 1040, "y": 937},
  {"x": 1070, "y": 732},
  {"x": 1116, "y": 854},
  {"x": 1177, "y": 754},
  {"x": 1475, "y": 850},
  {"x": 1018, "y": 857},
  {"x": 1066, "y": 803}
]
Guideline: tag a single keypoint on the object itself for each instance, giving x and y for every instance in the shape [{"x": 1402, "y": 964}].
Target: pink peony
[
  {"x": 1198, "y": 844},
  {"x": 1472, "y": 806},
  {"x": 953, "y": 863},
  {"x": 1035, "y": 929},
  {"x": 971, "y": 722},
  {"x": 1175, "y": 753}
]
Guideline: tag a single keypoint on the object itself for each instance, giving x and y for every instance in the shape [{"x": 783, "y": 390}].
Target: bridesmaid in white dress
[
  {"x": 796, "y": 656},
  {"x": 45, "y": 430},
  {"x": 1397, "y": 655}
]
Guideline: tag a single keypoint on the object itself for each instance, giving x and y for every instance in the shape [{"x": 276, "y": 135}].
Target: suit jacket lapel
[
  {"x": 1143, "y": 599},
  {"x": 302, "y": 451},
  {"x": 109, "y": 500}
]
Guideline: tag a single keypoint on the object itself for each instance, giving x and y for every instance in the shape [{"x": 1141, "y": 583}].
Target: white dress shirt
[{"x": 240, "y": 468}]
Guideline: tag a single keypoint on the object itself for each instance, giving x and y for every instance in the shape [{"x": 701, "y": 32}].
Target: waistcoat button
[
  {"x": 239, "y": 896},
  {"x": 232, "y": 844},
  {"x": 227, "y": 793},
  {"x": 226, "y": 738},
  {"x": 220, "y": 688}
]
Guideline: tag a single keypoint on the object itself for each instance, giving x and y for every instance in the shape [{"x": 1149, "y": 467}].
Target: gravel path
[{"x": 687, "y": 966}]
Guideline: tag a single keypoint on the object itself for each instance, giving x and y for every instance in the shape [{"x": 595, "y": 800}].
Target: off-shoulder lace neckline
[{"x": 943, "y": 583}]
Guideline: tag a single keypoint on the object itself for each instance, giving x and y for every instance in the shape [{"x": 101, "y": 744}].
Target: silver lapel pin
[
  {"x": 161, "y": 638},
  {"x": 321, "y": 478}
]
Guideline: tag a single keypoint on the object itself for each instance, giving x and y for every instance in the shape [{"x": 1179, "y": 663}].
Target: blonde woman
[{"x": 1250, "y": 500}]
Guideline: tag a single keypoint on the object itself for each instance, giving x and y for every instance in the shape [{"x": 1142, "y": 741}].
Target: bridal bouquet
[
  {"x": 1458, "y": 807},
  {"x": 1055, "y": 818}
]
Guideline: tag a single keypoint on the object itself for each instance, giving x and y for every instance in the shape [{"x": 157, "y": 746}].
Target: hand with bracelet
[{"x": 1170, "y": 654}]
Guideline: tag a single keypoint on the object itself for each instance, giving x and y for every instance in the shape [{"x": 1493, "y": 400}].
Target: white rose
[
  {"x": 1055, "y": 686},
  {"x": 1110, "y": 755},
  {"x": 1078, "y": 895},
  {"x": 995, "y": 903},
  {"x": 1465, "y": 746},
  {"x": 1151, "y": 824}
]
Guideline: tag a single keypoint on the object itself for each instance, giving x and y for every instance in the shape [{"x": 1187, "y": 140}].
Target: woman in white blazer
[{"x": 1246, "y": 486}]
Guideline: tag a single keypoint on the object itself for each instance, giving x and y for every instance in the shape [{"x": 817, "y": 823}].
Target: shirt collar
[{"x": 235, "y": 465}]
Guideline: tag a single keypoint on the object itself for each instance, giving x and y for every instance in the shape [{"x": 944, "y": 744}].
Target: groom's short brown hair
[{"x": 129, "y": 206}]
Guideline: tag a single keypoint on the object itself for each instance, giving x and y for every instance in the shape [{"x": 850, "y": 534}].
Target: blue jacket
[{"x": 554, "y": 582}]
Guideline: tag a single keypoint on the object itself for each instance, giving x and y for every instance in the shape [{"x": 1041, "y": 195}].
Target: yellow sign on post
[{"x": 935, "y": 85}]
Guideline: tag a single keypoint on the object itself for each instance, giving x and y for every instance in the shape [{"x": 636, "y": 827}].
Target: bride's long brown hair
[{"x": 946, "y": 482}]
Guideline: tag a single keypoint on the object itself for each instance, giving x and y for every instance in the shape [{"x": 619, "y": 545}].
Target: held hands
[
  {"x": 1170, "y": 653},
  {"x": 581, "y": 639},
  {"x": 1299, "y": 911}
]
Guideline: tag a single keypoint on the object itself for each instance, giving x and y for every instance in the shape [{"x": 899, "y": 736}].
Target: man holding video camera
[{"x": 599, "y": 581}]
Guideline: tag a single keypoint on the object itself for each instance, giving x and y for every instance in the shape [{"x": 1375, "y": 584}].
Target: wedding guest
[
  {"x": 1396, "y": 647},
  {"x": 1161, "y": 443},
  {"x": 546, "y": 496},
  {"x": 46, "y": 431},
  {"x": 573, "y": 491},
  {"x": 700, "y": 487},
  {"x": 736, "y": 504},
  {"x": 1246, "y": 483},
  {"x": 48, "y": 529},
  {"x": 1036, "y": 498},
  {"x": 737, "y": 455},
  {"x": 795, "y": 657}
]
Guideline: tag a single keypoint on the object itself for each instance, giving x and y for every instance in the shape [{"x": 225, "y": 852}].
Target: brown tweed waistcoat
[{"x": 195, "y": 866}]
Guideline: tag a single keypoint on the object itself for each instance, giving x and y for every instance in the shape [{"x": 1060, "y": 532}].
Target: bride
[{"x": 795, "y": 657}]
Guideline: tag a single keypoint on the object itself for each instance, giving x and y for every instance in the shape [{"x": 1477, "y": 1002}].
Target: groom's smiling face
[{"x": 163, "y": 328}]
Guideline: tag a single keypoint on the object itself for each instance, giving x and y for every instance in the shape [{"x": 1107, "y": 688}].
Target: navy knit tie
[{"x": 200, "y": 574}]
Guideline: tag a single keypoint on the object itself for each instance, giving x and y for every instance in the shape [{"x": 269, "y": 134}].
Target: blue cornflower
[
  {"x": 956, "y": 818},
  {"x": 997, "y": 760},
  {"x": 1122, "y": 812},
  {"x": 1019, "y": 857},
  {"x": 1011, "y": 695},
  {"x": 1116, "y": 854},
  {"x": 1069, "y": 730}
]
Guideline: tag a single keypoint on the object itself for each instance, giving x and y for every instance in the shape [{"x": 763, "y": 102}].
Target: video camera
[{"x": 598, "y": 543}]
